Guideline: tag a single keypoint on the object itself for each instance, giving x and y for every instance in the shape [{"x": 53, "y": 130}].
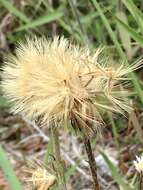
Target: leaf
[
  {"x": 124, "y": 35},
  {"x": 8, "y": 171},
  {"x": 41, "y": 20},
  {"x": 12, "y": 9},
  {"x": 137, "y": 14},
  {"x": 137, "y": 126},
  {"x": 3, "y": 102},
  {"x": 49, "y": 152},
  {"x": 108, "y": 27},
  {"x": 114, "y": 129},
  {"x": 118, "y": 47},
  {"x": 70, "y": 172},
  {"x": 138, "y": 38},
  {"x": 117, "y": 177}
]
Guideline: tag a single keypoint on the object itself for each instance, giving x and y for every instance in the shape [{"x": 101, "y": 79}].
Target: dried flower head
[
  {"x": 55, "y": 80},
  {"x": 138, "y": 163},
  {"x": 39, "y": 178}
]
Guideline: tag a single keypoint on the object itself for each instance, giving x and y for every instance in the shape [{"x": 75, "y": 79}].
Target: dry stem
[
  {"x": 92, "y": 163},
  {"x": 77, "y": 125}
]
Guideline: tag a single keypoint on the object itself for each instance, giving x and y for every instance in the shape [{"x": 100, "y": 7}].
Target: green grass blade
[
  {"x": 117, "y": 177},
  {"x": 80, "y": 25},
  {"x": 50, "y": 17},
  {"x": 4, "y": 103},
  {"x": 137, "y": 14},
  {"x": 8, "y": 171},
  {"x": 71, "y": 170},
  {"x": 131, "y": 7},
  {"x": 124, "y": 34},
  {"x": 137, "y": 86},
  {"x": 118, "y": 47},
  {"x": 137, "y": 126},
  {"x": 12, "y": 9},
  {"x": 138, "y": 38},
  {"x": 109, "y": 29},
  {"x": 115, "y": 133},
  {"x": 88, "y": 18},
  {"x": 49, "y": 152},
  {"x": 67, "y": 28}
]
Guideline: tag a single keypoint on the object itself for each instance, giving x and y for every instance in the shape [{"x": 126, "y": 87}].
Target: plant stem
[
  {"x": 92, "y": 163},
  {"x": 77, "y": 17},
  {"x": 76, "y": 125},
  {"x": 137, "y": 126},
  {"x": 141, "y": 181},
  {"x": 59, "y": 164}
]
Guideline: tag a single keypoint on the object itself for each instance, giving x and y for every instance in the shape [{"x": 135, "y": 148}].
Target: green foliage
[
  {"x": 138, "y": 38},
  {"x": 3, "y": 102},
  {"x": 118, "y": 178},
  {"x": 8, "y": 171},
  {"x": 41, "y": 20},
  {"x": 12, "y": 9}
]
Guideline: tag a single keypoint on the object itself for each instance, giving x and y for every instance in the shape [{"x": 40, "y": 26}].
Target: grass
[
  {"x": 13, "y": 10},
  {"x": 8, "y": 171},
  {"x": 118, "y": 25},
  {"x": 118, "y": 178}
]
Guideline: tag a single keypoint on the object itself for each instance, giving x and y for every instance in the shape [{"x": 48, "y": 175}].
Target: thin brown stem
[
  {"x": 92, "y": 163},
  {"x": 77, "y": 125}
]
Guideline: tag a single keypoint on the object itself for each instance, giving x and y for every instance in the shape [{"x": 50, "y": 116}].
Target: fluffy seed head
[
  {"x": 39, "y": 177},
  {"x": 55, "y": 80},
  {"x": 42, "y": 180},
  {"x": 138, "y": 163}
]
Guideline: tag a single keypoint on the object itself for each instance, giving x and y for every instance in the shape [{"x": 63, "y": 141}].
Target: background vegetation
[{"x": 115, "y": 24}]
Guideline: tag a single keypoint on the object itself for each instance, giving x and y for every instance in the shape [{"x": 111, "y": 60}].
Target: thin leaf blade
[
  {"x": 50, "y": 17},
  {"x": 8, "y": 171},
  {"x": 138, "y": 38},
  {"x": 124, "y": 35},
  {"x": 118, "y": 178},
  {"x": 12, "y": 9}
]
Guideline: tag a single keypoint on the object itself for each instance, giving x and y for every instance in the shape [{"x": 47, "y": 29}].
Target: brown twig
[
  {"x": 92, "y": 163},
  {"x": 78, "y": 125}
]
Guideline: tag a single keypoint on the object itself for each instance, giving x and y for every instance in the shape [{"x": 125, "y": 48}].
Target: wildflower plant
[
  {"x": 138, "y": 163},
  {"x": 57, "y": 81}
]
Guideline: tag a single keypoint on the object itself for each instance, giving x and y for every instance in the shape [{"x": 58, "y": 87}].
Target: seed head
[
  {"x": 55, "y": 80},
  {"x": 39, "y": 177},
  {"x": 138, "y": 163}
]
